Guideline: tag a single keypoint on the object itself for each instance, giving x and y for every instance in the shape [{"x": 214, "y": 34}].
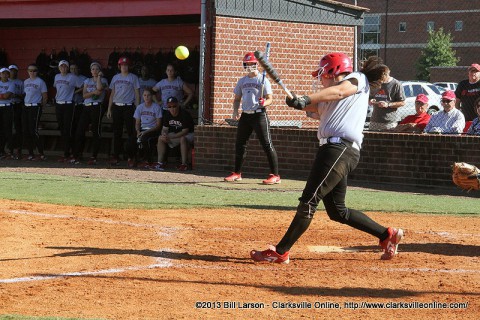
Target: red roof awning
[{"x": 44, "y": 9}]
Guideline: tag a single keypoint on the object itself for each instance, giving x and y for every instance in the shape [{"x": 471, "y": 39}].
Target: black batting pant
[
  {"x": 91, "y": 115},
  {"x": 259, "y": 123},
  {"x": 122, "y": 116},
  {"x": 327, "y": 182},
  {"x": 30, "y": 119},
  {"x": 6, "y": 125},
  {"x": 65, "y": 117}
]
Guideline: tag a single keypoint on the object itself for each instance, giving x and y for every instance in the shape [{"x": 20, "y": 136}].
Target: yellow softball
[{"x": 181, "y": 52}]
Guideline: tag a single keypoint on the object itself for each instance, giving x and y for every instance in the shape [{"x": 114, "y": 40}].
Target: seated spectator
[
  {"x": 177, "y": 131},
  {"x": 448, "y": 121},
  {"x": 148, "y": 123},
  {"x": 475, "y": 126},
  {"x": 415, "y": 123}
]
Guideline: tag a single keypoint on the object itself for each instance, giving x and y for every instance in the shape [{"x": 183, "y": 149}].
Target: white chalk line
[{"x": 169, "y": 263}]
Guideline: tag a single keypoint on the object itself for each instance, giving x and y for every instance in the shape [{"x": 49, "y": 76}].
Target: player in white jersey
[
  {"x": 125, "y": 96},
  {"x": 7, "y": 89},
  {"x": 93, "y": 110},
  {"x": 148, "y": 123},
  {"x": 145, "y": 81},
  {"x": 341, "y": 107},
  {"x": 254, "y": 117},
  {"x": 35, "y": 99},
  {"x": 66, "y": 83},
  {"x": 17, "y": 102},
  {"x": 173, "y": 86}
]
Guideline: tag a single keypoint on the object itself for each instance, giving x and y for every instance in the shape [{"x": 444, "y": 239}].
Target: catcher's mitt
[{"x": 466, "y": 176}]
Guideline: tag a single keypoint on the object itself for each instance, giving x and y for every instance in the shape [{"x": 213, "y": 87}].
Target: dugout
[{"x": 84, "y": 30}]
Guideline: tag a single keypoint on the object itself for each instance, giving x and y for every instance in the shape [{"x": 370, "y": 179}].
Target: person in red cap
[
  {"x": 415, "y": 123},
  {"x": 448, "y": 121},
  {"x": 468, "y": 91}
]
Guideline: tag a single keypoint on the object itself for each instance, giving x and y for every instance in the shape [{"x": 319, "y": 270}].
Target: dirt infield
[{"x": 194, "y": 264}]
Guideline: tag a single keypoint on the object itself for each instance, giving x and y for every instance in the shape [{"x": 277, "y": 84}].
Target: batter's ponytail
[{"x": 375, "y": 71}]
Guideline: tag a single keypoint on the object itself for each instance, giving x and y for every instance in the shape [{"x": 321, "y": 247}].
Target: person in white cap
[
  {"x": 17, "y": 102},
  {"x": 468, "y": 91},
  {"x": 7, "y": 89},
  {"x": 66, "y": 83}
]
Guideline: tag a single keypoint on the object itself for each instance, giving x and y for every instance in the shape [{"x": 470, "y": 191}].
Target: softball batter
[
  {"x": 341, "y": 107},
  {"x": 248, "y": 92}
]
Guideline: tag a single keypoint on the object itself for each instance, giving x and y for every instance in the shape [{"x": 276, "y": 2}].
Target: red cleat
[
  {"x": 270, "y": 255},
  {"x": 390, "y": 244},
  {"x": 272, "y": 179},
  {"x": 233, "y": 177}
]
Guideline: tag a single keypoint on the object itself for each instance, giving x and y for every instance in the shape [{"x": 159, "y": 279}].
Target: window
[
  {"x": 370, "y": 37},
  {"x": 402, "y": 27},
  {"x": 458, "y": 25},
  {"x": 430, "y": 26}
]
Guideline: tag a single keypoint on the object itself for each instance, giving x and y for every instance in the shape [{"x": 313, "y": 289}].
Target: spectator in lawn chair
[
  {"x": 450, "y": 120},
  {"x": 177, "y": 131},
  {"x": 415, "y": 123},
  {"x": 148, "y": 123}
]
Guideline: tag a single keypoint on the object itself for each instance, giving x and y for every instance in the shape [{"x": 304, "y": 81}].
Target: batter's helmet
[
  {"x": 249, "y": 57},
  {"x": 333, "y": 64},
  {"x": 123, "y": 60}
]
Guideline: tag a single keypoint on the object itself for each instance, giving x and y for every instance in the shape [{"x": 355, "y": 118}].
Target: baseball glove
[{"x": 466, "y": 176}]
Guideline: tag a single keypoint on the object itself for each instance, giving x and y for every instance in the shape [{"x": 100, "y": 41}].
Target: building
[{"x": 397, "y": 30}]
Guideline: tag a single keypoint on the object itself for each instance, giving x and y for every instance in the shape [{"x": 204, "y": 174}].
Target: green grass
[{"x": 80, "y": 191}]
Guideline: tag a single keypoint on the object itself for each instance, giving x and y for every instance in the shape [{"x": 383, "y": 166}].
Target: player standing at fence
[
  {"x": 17, "y": 103},
  {"x": 94, "y": 93},
  {"x": 35, "y": 100},
  {"x": 253, "y": 118},
  {"x": 7, "y": 88},
  {"x": 66, "y": 83},
  {"x": 342, "y": 109},
  {"x": 124, "y": 98}
]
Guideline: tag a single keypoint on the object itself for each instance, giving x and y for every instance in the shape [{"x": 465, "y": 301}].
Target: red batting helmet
[
  {"x": 123, "y": 60},
  {"x": 332, "y": 64},
  {"x": 249, "y": 57}
]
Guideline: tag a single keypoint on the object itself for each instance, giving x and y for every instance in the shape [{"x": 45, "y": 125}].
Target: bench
[{"x": 48, "y": 129}]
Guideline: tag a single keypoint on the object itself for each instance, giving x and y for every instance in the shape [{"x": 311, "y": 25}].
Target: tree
[{"x": 437, "y": 53}]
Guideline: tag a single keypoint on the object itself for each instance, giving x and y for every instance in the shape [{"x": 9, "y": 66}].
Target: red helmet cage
[
  {"x": 333, "y": 64},
  {"x": 249, "y": 57}
]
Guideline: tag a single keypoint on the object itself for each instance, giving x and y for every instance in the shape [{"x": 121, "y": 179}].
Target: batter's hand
[
  {"x": 261, "y": 102},
  {"x": 298, "y": 103}
]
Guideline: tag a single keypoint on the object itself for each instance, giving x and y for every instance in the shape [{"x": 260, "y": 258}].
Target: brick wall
[
  {"x": 406, "y": 159},
  {"x": 295, "y": 52}
]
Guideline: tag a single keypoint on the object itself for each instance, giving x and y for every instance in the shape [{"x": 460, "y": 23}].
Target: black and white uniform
[
  {"x": 92, "y": 113},
  {"x": 17, "y": 103},
  {"x": 32, "y": 111},
  {"x": 254, "y": 118},
  {"x": 6, "y": 115},
  {"x": 65, "y": 108},
  {"x": 340, "y": 138},
  {"x": 123, "y": 90}
]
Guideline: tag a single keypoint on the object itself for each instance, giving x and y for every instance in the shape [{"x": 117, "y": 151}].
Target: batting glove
[
  {"x": 298, "y": 103},
  {"x": 261, "y": 102}
]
